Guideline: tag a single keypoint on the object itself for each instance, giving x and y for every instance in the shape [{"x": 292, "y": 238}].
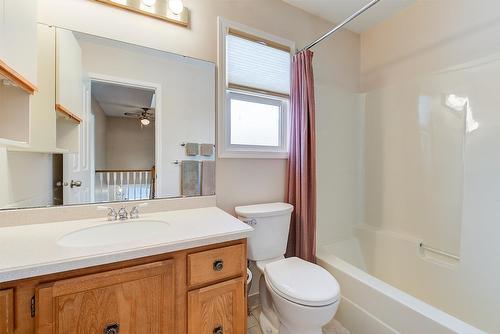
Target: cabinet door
[
  {"x": 135, "y": 300},
  {"x": 218, "y": 309},
  {"x": 7, "y": 311}
]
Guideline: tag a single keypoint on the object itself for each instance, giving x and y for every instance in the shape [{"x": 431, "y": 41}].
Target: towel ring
[{"x": 184, "y": 144}]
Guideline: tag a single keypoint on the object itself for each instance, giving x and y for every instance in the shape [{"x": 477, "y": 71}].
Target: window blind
[{"x": 257, "y": 66}]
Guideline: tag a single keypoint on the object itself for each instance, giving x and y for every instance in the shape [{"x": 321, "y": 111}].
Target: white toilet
[{"x": 297, "y": 297}]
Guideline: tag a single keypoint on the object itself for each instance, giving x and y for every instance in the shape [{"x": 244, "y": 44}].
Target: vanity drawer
[{"x": 216, "y": 264}]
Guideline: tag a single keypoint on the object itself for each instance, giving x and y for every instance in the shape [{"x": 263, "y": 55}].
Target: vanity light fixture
[
  {"x": 149, "y": 3},
  {"x": 145, "y": 121},
  {"x": 176, "y": 6},
  {"x": 172, "y": 11},
  {"x": 456, "y": 102}
]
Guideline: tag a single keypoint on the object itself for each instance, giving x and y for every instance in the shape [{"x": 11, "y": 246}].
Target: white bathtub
[{"x": 372, "y": 306}]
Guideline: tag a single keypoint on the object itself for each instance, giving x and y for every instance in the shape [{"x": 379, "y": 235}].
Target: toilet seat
[
  {"x": 302, "y": 282},
  {"x": 261, "y": 265}
]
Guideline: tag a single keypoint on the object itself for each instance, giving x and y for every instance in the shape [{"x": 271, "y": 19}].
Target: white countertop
[{"x": 32, "y": 250}]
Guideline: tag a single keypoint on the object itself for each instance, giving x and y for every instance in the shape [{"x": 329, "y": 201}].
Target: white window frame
[
  {"x": 283, "y": 119},
  {"x": 225, "y": 148}
]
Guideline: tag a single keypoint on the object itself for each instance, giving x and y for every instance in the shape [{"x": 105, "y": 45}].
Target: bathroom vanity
[
  {"x": 189, "y": 279},
  {"x": 104, "y": 121}
]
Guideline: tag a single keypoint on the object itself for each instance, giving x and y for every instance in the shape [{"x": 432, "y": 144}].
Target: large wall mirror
[{"x": 110, "y": 122}]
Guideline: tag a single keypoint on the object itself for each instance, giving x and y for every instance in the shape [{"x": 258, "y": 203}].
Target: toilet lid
[
  {"x": 302, "y": 282},
  {"x": 263, "y": 210}
]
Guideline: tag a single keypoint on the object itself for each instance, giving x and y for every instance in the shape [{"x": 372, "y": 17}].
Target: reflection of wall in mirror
[
  {"x": 128, "y": 145},
  {"x": 26, "y": 179},
  {"x": 187, "y": 96},
  {"x": 122, "y": 143}
]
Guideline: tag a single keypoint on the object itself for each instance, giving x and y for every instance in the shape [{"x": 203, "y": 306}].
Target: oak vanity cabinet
[
  {"x": 138, "y": 300},
  {"x": 7, "y": 311},
  {"x": 218, "y": 309},
  {"x": 193, "y": 291}
]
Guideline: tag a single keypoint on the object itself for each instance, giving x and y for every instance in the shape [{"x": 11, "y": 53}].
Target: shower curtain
[{"x": 301, "y": 168}]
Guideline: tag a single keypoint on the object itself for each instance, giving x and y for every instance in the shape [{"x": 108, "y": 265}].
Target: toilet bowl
[
  {"x": 296, "y": 296},
  {"x": 305, "y": 296}
]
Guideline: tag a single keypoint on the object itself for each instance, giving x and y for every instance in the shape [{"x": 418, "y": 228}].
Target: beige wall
[
  {"x": 128, "y": 145},
  {"x": 457, "y": 38},
  {"x": 239, "y": 181}
]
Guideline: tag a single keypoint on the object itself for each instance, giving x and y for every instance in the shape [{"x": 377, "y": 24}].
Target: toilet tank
[{"x": 271, "y": 223}]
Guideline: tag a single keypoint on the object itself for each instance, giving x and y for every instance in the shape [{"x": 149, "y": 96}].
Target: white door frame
[{"x": 158, "y": 113}]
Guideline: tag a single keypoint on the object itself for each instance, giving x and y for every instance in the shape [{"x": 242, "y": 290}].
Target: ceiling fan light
[
  {"x": 176, "y": 6},
  {"x": 145, "y": 121}
]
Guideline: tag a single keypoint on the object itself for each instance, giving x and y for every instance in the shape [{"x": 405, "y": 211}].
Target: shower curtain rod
[{"x": 346, "y": 21}]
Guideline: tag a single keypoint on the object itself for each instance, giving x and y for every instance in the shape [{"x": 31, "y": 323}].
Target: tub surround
[
  {"x": 34, "y": 250},
  {"x": 371, "y": 305}
]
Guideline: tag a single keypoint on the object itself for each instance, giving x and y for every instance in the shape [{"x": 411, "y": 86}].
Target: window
[{"x": 255, "y": 85}]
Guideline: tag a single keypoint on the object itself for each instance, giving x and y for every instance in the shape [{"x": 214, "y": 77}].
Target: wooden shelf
[
  {"x": 54, "y": 150},
  {"x": 17, "y": 79},
  {"x": 66, "y": 113}
]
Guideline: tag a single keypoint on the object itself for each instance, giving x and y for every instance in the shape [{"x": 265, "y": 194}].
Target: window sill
[{"x": 252, "y": 155}]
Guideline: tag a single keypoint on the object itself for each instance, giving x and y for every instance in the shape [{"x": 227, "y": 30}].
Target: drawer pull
[
  {"x": 112, "y": 329},
  {"x": 218, "y": 330},
  {"x": 218, "y": 265}
]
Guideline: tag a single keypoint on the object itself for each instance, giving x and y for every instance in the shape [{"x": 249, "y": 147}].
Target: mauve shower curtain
[{"x": 301, "y": 171}]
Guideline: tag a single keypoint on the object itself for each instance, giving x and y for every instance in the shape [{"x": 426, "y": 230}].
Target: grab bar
[{"x": 438, "y": 251}]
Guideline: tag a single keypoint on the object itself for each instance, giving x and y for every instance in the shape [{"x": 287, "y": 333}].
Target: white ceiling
[
  {"x": 338, "y": 10},
  {"x": 115, "y": 100}
]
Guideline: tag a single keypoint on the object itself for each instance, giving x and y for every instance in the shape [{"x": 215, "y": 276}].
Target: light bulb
[
  {"x": 149, "y": 3},
  {"x": 176, "y": 6},
  {"x": 145, "y": 121}
]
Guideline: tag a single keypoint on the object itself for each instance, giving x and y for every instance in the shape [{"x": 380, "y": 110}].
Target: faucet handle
[
  {"x": 112, "y": 215},
  {"x": 122, "y": 213},
  {"x": 134, "y": 213}
]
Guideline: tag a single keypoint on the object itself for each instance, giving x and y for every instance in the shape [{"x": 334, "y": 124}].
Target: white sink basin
[{"x": 114, "y": 233}]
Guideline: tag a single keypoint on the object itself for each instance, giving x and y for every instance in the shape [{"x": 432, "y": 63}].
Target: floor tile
[
  {"x": 251, "y": 321},
  {"x": 254, "y": 330}
]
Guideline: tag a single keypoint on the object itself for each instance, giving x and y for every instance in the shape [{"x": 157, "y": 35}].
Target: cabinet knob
[
  {"x": 218, "y": 265},
  {"x": 218, "y": 330},
  {"x": 112, "y": 328}
]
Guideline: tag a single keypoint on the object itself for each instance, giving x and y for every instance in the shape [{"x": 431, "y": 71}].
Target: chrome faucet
[
  {"x": 134, "y": 213},
  {"x": 122, "y": 213},
  {"x": 112, "y": 215}
]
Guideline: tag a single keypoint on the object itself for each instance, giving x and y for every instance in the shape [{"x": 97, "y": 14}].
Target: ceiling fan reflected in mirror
[{"x": 145, "y": 115}]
